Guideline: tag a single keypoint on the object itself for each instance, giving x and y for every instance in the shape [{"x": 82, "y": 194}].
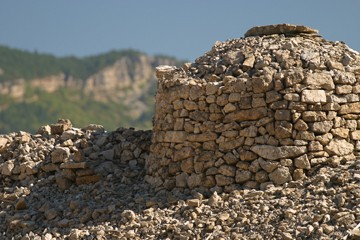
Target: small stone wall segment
[
  {"x": 264, "y": 109},
  {"x": 71, "y": 155}
]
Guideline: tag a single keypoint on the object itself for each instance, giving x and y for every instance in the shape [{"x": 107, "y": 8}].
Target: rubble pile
[
  {"x": 261, "y": 110},
  {"x": 72, "y": 155}
]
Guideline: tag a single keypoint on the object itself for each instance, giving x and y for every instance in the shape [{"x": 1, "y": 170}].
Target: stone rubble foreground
[{"x": 119, "y": 204}]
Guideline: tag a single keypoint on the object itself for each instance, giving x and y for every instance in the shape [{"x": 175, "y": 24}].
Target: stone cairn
[{"x": 265, "y": 109}]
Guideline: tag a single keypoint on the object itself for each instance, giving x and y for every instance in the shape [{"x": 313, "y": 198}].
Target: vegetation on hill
[
  {"x": 63, "y": 103},
  {"x": 23, "y": 64},
  {"x": 39, "y": 108}
]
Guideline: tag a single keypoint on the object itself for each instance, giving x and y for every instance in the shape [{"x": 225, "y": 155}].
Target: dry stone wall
[
  {"x": 265, "y": 109},
  {"x": 70, "y": 156}
]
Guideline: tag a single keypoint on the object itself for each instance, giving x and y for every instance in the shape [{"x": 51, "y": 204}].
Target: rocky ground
[{"x": 41, "y": 197}]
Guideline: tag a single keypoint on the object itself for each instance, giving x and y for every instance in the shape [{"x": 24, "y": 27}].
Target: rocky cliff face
[
  {"x": 14, "y": 89},
  {"x": 134, "y": 75},
  {"x": 128, "y": 84}
]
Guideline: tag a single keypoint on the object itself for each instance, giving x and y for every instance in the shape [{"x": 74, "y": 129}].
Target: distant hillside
[{"x": 113, "y": 89}]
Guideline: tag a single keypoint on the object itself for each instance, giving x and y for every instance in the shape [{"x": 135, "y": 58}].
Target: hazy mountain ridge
[{"x": 114, "y": 89}]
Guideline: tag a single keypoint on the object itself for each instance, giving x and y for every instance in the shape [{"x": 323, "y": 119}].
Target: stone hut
[{"x": 269, "y": 108}]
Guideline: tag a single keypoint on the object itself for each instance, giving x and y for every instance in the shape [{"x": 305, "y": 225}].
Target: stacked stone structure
[
  {"x": 268, "y": 108},
  {"x": 72, "y": 155}
]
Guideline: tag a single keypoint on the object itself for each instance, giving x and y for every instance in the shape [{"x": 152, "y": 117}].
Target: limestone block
[
  {"x": 230, "y": 158},
  {"x": 247, "y": 155},
  {"x": 50, "y": 167},
  {"x": 202, "y": 137},
  {"x": 343, "y": 89},
  {"x": 262, "y": 84},
  {"x": 313, "y": 96},
  {"x": 62, "y": 182},
  {"x": 249, "y": 132},
  {"x": 274, "y": 153},
  {"x": 302, "y": 162},
  {"x": 233, "y": 144},
  {"x": 339, "y": 147},
  {"x": 234, "y": 57},
  {"x": 74, "y": 165},
  {"x": 283, "y": 129},
  {"x": 181, "y": 179},
  {"x": 350, "y": 108},
  {"x": 84, "y": 172},
  {"x": 196, "y": 92},
  {"x": 305, "y": 135},
  {"x": 345, "y": 78},
  {"x": 60, "y": 154},
  {"x": 315, "y": 146},
  {"x": 108, "y": 154},
  {"x": 212, "y": 88},
  {"x": 209, "y": 182},
  {"x": 282, "y": 115},
  {"x": 280, "y": 175},
  {"x": 7, "y": 168},
  {"x": 298, "y": 174},
  {"x": 245, "y": 115},
  {"x": 356, "y": 89},
  {"x": 294, "y": 97},
  {"x": 334, "y": 65},
  {"x": 165, "y": 72},
  {"x": 171, "y": 136},
  {"x": 355, "y": 135},
  {"x": 301, "y": 125},
  {"x": 229, "y": 108},
  {"x": 292, "y": 77},
  {"x": 87, "y": 179},
  {"x": 313, "y": 116},
  {"x": 279, "y": 29},
  {"x": 227, "y": 170},
  {"x": 183, "y": 153},
  {"x": 235, "y": 97},
  {"x": 222, "y": 180},
  {"x": 3, "y": 142},
  {"x": 126, "y": 155},
  {"x": 187, "y": 165},
  {"x": 206, "y": 156},
  {"x": 211, "y": 171},
  {"x": 178, "y": 104},
  {"x": 245, "y": 103},
  {"x": 154, "y": 181},
  {"x": 267, "y": 165},
  {"x": 340, "y": 132},
  {"x": 261, "y": 176},
  {"x": 61, "y": 126},
  {"x": 21, "y": 204},
  {"x": 242, "y": 176},
  {"x": 222, "y": 100},
  {"x": 199, "y": 116},
  {"x": 322, "y": 127},
  {"x": 69, "y": 174},
  {"x": 320, "y": 80},
  {"x": 190, "y": 105},
  {"x": 178, "y": 92},
  {"x": 248, "y": 63}
]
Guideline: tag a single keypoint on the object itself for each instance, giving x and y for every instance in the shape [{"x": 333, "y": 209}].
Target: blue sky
[{"x": 184, "y": 29}]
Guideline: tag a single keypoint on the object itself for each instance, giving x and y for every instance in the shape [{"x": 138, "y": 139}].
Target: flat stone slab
[
  {"x": 275, "y": 153},
  {"x": 289, "y": 29}
]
